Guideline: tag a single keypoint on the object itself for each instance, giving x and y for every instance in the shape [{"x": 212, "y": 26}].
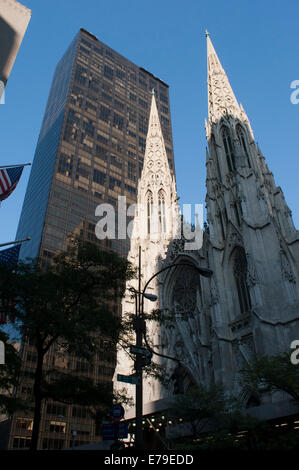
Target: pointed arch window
[
  {"x": 228, "y": 147},
  {"x": 215, "y": 155},
  {"x": 221, "y": 225},
  {"x": 162, "y": 213},
  {"x": 240, "y": 274},
  {"x": 149, "y": 200},
  {"x": 243, "y": 142}
]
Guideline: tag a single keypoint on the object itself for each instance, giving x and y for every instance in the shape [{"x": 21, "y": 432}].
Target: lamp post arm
[
  {"x": 180, "y": 363},
  {"x": 158, "y": 354},
  {"x": 174, "y": 265}
]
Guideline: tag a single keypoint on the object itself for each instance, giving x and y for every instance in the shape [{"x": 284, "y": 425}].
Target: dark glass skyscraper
[
  {"x": 91, "y": 145},
  {"x": 90, "y": 150}
]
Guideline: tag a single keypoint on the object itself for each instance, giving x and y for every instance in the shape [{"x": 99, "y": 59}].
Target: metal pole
[
  {"x": 139, "y": 327},
  {"x": 17, "y": 241},
  {"x": 139, "y": 280},
  {"x": 14, "y": 166}
]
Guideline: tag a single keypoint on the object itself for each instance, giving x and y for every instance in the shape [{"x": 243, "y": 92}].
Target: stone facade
[{"x": 251, "y": 302}]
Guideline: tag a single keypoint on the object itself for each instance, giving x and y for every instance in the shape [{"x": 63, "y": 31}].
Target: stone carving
[
  {"x": 252, "y": 277},
  {"x": 176, "y": 247},
  {"x": 286, "y": 270},
  {"x": 214, "y": 293},
  {"x": 235, "y": 240},
  {"x": 222, "y": 100}
]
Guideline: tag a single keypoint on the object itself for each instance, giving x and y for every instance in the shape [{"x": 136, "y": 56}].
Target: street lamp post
[{"x": 140, "y": 329}]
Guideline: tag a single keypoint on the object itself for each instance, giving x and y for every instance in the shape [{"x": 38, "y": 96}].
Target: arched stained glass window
[
  {"x": 240, "y": 274},
  {"x": 162, "y": 214},
  {"x": 243, "y": 142},
  {"x": 228, "y": 147},
  {"x": 185, "y": 292}
]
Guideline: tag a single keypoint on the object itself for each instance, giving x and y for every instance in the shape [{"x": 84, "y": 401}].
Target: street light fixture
[
  {"x": 202, "y": 271},
  {"x": 140, "y": 328},
  {"x": 151, "y": 297}
]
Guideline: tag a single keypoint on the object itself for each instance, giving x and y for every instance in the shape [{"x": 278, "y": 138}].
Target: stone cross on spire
[{"x": 221, "y": 98}]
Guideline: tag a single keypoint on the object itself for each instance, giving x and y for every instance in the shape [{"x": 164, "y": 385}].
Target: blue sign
[
  {"x": 117, "y": 412},
  {"x": 112, "y": 431}
]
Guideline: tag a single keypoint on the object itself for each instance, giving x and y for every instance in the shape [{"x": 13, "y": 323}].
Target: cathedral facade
[{"x": 250, "y": 304}]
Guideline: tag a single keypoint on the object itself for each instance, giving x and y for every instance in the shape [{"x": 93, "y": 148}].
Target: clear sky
[{"x": 256, "y": 41}]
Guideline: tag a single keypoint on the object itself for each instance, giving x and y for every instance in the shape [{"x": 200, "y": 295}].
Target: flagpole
[
  {"x": 17, "y": 241},
  {"x": 14, "y": 166}
]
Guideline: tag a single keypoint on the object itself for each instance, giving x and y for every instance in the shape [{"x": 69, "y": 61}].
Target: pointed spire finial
[
  {"x": 153, "y": 92},
  {"x": 207, "y": 33},
  {"x": 222, "y": 100},
  {"x": 155, "y": 135}
]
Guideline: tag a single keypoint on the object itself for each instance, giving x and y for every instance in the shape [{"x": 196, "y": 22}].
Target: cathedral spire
[
  {"x": 221, "y": 98},
  {"x": 155, "y": 148},
  {"x": 157, "y": 195}
]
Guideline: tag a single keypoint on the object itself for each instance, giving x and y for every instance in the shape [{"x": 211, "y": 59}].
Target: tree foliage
[
  {"x": 210, "y": 419},
  {"x": 276, "y": 373},
  {"x": 68, "y": 305},
  {"x": 197, "y": 406},
  {"x": 9, "y": 374}
]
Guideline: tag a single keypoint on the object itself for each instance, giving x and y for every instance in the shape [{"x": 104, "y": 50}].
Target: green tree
[
  {"x": 198, "y": 406},
  {"x": 69, "y": 304},
  {"x": 9, "y": 374},
  {"x": 213, "y": 418},
  {"x": 276, "y": 373}
]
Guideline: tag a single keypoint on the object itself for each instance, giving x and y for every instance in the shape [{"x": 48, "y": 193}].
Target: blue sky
[{"x": 257, "y": 43}]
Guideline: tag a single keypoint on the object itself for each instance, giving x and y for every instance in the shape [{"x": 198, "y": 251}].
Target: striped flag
[
  {"x": 9, "y": 178},
  {"x": 7, "y": 308},
  {"x": 10, "y": 257}
]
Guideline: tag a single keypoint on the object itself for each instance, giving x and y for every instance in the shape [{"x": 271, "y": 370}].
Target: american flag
[
  {"x": 9, "y": 178},
  {"x": 9, "y": 256}
]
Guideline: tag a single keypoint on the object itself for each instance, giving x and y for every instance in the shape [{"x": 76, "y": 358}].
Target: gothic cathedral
[{"x": 250, "y": 304}]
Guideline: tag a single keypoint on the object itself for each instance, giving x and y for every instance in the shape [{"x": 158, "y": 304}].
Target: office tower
[
  {"x": 14, "y": 19},
  {"x": 90, "y": 150},
  {"x": 91, "y": 144}
]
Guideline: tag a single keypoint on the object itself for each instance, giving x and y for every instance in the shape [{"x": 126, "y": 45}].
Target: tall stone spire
[
  {"x": 156, "y": 222},
  {"x": 155, "y": 159},
  {"x": 156, "y": 182},
  {"x": 221, "y": 98}
]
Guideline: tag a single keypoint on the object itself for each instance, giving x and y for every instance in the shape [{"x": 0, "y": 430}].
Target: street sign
[
  {"x": 109, "y": 431},
  {"x": 117, "y": 412},
  {"x": 129, "y": 379},
  {"x": 141, "y": 351}
]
